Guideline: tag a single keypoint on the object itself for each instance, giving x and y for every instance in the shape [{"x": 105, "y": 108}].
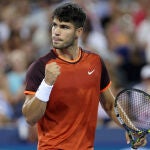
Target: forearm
[
  {"x": 33, "y": 110},
  {"x": 113, "y": 117},
  {"x": 107, "y": 102},
  {"x": 35, "y": 106}
]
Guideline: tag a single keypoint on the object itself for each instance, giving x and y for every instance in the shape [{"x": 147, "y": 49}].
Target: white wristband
[{"x": 44, "y": 91}]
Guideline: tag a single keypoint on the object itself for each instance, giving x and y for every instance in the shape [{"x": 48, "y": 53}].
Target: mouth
[{"x": 56, "y": 39}]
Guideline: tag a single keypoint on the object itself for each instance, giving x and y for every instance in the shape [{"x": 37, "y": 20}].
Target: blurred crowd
[{"x": 118, "y": 30}]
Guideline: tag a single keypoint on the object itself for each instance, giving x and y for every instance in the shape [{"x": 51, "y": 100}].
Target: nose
[{"x": 57, "y": 31}]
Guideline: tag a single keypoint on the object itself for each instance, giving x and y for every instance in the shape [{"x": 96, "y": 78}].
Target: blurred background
[{"x": 118, "y": 30}]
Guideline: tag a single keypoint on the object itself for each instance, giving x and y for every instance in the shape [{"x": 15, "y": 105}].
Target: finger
[
  {"x": 141, "y": 142},
  {"x": 127, "y": 137}
]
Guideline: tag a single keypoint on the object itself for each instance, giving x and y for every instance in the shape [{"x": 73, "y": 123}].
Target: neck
[{"x": 70, "y": 53}]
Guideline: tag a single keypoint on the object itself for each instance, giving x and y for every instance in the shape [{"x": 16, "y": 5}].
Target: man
[{"x": 63, "y": 87}]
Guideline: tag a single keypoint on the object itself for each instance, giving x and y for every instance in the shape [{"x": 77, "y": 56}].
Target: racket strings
[{"x": 135, "y": 106}]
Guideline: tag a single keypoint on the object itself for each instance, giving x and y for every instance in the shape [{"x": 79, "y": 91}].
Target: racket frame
[{"x": 129, "y": 130}]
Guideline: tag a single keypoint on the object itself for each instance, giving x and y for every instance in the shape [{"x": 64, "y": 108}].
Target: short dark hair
[{"x": 70, "y": 12}]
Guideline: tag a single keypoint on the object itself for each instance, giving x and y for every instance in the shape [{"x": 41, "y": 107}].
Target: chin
[{"x": 59, "y": 47}]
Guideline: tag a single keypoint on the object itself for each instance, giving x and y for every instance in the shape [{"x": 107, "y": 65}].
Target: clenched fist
[{"x": 52, "y": 71}]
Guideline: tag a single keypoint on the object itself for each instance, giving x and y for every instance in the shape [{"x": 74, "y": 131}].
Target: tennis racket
[{"x": 132, "y": 109}]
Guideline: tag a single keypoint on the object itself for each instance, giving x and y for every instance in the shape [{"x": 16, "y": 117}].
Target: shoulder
[
  {"x": 46, "y": 58},
  {"x": 36, "y": 71},
  {"x": 42, "y": 61},
  {"x": 38, "y": 66},
  {"x": 92, "y": 55}
]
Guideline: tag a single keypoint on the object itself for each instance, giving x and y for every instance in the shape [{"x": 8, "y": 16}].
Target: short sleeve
[
  {"x": 105, "y": 79},
  {"x": 34, "y": 76}
]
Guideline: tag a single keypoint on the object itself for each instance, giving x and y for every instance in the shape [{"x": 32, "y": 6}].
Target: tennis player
[{"x": 63, "y": 87}]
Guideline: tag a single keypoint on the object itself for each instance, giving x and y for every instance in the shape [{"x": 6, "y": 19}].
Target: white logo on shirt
[{"x": 90, "y": 72}]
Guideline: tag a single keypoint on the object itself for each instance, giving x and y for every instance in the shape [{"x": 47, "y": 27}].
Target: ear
[{"x": 79, "y": 32}]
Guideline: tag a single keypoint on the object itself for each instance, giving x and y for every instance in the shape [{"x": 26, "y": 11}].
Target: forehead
[{"x": 57, "y": 21}]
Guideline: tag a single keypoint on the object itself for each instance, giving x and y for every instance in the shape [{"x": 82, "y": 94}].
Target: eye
[
  {"x": 54, "y": 24},
  {"x": 65, "y": 27}
]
